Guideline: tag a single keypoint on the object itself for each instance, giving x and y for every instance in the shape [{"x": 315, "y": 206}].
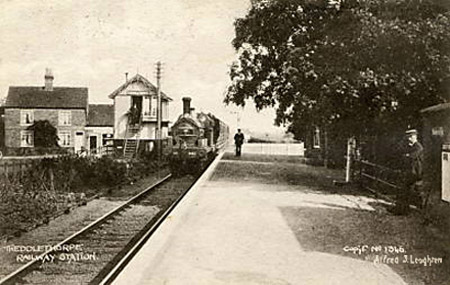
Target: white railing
[{"x": 295, "y": 149}]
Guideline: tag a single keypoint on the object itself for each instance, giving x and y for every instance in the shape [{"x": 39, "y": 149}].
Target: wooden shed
[{"x": 435, "y": 135}]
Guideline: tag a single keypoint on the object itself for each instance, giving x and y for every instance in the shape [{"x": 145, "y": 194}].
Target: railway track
[{"x": 96, "y": 253}]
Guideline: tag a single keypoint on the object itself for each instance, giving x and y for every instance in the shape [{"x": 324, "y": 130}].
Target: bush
[
  {"x": 47, "y": 187},
  {"x": 108, "y": 172},
  {"x": 75, "y": 173},
  {"x": 147, "y": 163},
  {"x": 25, "y": 202}
]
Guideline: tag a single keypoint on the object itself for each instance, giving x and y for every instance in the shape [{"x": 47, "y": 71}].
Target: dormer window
[{"x": 26, "y": 117}]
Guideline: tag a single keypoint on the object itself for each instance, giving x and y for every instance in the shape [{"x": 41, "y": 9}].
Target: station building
[{"x": 135, "y": 115}]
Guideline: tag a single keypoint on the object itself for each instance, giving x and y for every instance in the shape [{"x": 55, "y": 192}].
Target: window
[
  {"x": 26, "y": 139},
  {"x": 186, "y": 132},
  {"x": 106, "y": 139},
  {"x": 146, "y": 106},
  {"x": 153, "y": 104},
  {"x": 65, "y": 118},
  {"x": 64, "y": 138},
  {"x": 165, "y": 111},
  {"x": 316, "y": 138},
  {"x": 26, "y": 117}
]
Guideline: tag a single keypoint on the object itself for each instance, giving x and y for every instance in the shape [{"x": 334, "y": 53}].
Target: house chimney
[
  {"x": 48, "y": 80},
  {"x": 126, "y": 77},
  {"x": 186, "y": 105}
]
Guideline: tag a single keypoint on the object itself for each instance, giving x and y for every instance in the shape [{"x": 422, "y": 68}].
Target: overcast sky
[{"x": 93, "y": 43}]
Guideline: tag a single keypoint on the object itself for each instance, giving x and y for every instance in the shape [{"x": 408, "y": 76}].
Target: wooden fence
[
  {"x": 19, "y": 165},
  {"x": 98, "y": 152},
  {"x": 16, "y": 166}
]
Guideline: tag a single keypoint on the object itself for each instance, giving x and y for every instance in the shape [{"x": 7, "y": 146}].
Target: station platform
[{"x": 234, "y": 232}]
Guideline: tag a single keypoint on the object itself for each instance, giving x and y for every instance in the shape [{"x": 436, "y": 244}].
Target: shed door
[{"x": 93, "y": 143}]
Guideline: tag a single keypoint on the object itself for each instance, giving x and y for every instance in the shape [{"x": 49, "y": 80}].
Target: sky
[{"x": 93, "y": 43}]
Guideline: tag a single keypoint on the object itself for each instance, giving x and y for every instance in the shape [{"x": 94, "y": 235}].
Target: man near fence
[
  {"x": 238, "y": 141},
  {"x": 411, "y": 191}
]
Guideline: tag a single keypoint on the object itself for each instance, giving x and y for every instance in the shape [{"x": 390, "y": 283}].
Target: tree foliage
[
  {"x": 45, "y": 134},
  {"x": 357, "y": 66}
]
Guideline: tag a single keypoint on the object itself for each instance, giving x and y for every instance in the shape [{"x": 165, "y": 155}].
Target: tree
[
  {"x": 45, "y": 135},
  {"x": 357, "y": 67}
]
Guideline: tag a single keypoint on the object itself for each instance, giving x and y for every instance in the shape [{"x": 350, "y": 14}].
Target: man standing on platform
[
  {"x": 411, "y": 188},
  {"x": 238, "y": 141}
]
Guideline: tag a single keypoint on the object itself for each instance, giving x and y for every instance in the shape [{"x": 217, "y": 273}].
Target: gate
[{"x": 378, "y": 179}]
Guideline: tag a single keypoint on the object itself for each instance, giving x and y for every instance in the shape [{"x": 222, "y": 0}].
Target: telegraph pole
[{"x": 158, "y": 109}]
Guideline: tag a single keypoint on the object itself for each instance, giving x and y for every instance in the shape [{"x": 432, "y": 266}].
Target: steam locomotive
[{"x": 196, "y": 138}]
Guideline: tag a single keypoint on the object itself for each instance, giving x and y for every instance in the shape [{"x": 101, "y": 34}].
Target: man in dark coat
[
  {"x": 412, "y": 171},
  {"x": 238, "y": 141}
]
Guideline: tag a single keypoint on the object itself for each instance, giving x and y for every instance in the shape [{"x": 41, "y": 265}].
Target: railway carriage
[{"x": 196, "y": 138}]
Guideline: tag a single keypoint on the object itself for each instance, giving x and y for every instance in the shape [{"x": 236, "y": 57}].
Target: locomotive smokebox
[{"x": 186, "y": 105}]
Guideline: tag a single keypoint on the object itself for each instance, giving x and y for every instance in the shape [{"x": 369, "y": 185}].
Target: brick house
[{"x": 66, "y": 108}]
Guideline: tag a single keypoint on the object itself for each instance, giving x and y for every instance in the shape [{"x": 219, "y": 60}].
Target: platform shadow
[
  {"x": 341, "y": 232},
  {"x": 306, "y": 178}
]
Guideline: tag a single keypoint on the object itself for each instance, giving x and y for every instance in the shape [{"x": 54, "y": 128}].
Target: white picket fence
[{"x": 294, "y": 149}]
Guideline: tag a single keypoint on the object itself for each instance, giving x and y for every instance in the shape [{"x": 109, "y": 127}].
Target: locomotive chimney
[{"x": 186, "y": 105}]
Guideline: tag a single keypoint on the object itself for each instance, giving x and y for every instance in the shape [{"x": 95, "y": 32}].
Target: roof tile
[
  {"x": 37, "y": 97},
  {"x": 101, "y": 115}
]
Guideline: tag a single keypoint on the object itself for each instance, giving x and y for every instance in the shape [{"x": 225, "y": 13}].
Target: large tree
[
  {"x": 362, "y": 67},
  {"x": 45, "y": 134}
]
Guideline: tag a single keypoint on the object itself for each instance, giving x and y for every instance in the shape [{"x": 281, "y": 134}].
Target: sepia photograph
[{"x": 213, "y": 142}]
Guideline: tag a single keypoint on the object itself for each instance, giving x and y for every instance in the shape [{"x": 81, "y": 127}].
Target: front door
[
  {"x": 79, "y": 141},
  {"x": 93, "y": 144}
]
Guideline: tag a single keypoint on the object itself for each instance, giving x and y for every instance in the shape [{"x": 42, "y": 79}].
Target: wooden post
[
  {"x": 52, "y": 179},
  {"x": 325, "y": 161},
  {"x": 159, "y": 110},
  {"x": 350, "y": 145}
]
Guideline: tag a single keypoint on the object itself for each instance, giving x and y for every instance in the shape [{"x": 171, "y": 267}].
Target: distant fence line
[{"x": 296, "y": 149}]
